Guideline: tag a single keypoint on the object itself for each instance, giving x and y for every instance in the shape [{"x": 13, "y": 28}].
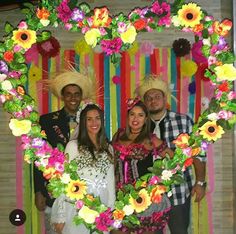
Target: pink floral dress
[{"x": 133, "y": 161}]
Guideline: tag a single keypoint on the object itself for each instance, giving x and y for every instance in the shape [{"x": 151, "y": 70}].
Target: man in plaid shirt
[{"x": 167, "y": 125}]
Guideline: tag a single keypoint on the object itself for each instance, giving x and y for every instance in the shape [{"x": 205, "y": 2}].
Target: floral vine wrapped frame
[{"x": 115, "y": 35}]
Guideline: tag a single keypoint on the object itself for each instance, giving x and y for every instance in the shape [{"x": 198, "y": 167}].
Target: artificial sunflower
[
  {"x": 211, "y": 131},
  {"x": 76, "y": 189},
  {"x": 142, "y": 202},
  {"x": 190, "y": 15},
  {"x": 24, "y": 38}
]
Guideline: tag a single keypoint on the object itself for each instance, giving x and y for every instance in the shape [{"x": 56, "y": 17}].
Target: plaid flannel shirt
[{"x": 175, "y": 124}]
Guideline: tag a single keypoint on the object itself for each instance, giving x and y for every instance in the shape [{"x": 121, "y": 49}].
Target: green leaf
[
  {"x": 84, "y": 7},
  {"x": 19, "y": 57},
  {"x": 46, "y": 35},
  {"x": 120, "y": 195},
  {"x": 8, "y": 27},
  {"x": 29, "y": 5}
]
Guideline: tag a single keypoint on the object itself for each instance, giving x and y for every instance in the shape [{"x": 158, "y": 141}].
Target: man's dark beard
[{"x": 153, "y": 112}]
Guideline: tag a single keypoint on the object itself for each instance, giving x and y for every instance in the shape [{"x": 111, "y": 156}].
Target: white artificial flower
[
  {"x": 166, "y": 175},
  {"x": 213, "y": 117},
  {"x": 6, "y": 85},
  {"x": 65, "y": 178},
  {"x": 128, "y": 209}
]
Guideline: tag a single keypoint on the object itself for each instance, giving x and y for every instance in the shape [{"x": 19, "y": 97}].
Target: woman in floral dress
[
  {"x": 94, "y": 158},
  {"x": 135, "y": 149}
]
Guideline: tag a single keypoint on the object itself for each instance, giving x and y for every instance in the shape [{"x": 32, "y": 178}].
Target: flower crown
[
  {"x": 131, "y": 102},
  {"x": 83, "y": 107}
]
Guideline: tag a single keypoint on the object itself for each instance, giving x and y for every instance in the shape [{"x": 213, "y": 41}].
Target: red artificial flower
[
  {"x": 182, "y": 140},
  {"x": 188, "y": 162},
  {"x": 8, "y": 56},
  {"x": 140, "y": 24},
  {"x": 224, "y": 87}
]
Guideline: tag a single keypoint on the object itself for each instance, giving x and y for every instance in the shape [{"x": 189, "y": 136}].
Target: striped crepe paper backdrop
[{"x": 112, "y": 97}]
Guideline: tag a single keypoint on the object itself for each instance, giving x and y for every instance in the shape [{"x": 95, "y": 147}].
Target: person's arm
[
  {"x": 199, "y": 189},
  {"x": 161, "y": 148},
  {"x": 39, "y": 189}
]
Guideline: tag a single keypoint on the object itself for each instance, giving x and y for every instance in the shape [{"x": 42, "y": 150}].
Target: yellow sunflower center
[
  {"x": 139, "y": 200},
  {"x": 76, "y": 188},
  {"x": 189, "y": 16},
  {"x": 24, "y": 36},
  {"x": 211, "y": 129}
]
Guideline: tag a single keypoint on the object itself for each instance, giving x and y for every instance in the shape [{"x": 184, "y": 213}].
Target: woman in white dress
[{"x": 94, "y": 156}]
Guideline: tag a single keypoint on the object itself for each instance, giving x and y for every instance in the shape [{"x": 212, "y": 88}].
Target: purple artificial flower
[
  {"x": 204, "y": 145},
  {"x": 222, "y": 44},
  {"x": 104, "y": 220},
  {"x": 111, "y": 46},
  {"x": 38, "y": 142},
  {"x": 64, "y": 12},
  {"x": 77, "y": 15},
  {"x": 3, "y": 67}
]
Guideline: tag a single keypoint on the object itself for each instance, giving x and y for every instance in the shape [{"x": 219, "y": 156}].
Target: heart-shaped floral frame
[{"x": 115, "y": 35}]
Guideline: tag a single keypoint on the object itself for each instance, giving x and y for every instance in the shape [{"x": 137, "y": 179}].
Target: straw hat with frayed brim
[
  {"x": 153, "y": 82},
  {"x": 72, "y": 77}
]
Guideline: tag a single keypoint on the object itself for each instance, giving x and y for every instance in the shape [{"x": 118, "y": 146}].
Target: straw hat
[
  {"x": 71, "y": 77},
  {"x": 153, "y": 82}
]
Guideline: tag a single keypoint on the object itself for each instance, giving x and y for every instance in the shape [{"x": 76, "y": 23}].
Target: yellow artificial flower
[
  {"x": 129, "y": 35},
  {"x": 211, "y": 131},
  {"x": 156, "y": 193},
  {"x": 24, "y": 38},
  {"x": 142, "y": 202},
  {"x": 20, "y": 127},
  {"x": 91, "y": 37},
  {"x": 81, "y": 47},
  {"x": 226, "y": 72},
  {"x": 182, "y": 140},
  {"x": 188, "y": 68},
  {"x": 88, "y": 214},
  {"x": 76, "y": 189},
  {"x": 190, "y": 15}
]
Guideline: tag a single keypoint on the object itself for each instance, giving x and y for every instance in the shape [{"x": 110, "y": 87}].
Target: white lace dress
[{"x": 100, "y": 182}]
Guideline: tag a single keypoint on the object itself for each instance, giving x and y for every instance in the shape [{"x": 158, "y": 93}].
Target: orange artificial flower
[
  {"x": 182, "y": 140},
  {"x": 195, "y": 151},
  {"x": 140, "y": 24},
  {"x": 90, "y": 197},
  {"x": 119, "y": 214},
  {"x": 8, "y": 56},
  {"x": 198, "y": 28},
  {"x": 20, "y": 90},
  {"x": 156, "y": 193},
  {"x": 43, "y": 13},
  {"x": 101, "y": 17},
  {"x": 222, "y": 28}
]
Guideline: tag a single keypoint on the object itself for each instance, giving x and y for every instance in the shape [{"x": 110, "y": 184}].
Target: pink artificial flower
[
  {"x": 166, "y": 20},
  {"x": 154, "y": 180},
  {"x": 231, "y": 95},
  {"x": 211, "y": 60},
  {"x": 223, "y": 114},
  {"x": 22, "y": 25},
  {"x": 59, "y": 167},
  {"x": 122, "y": 27},
  {"x": 64, "y": 12},
  {"x": 68, "y": 26},
  {"x": 218, "y": 95},
  {"x": 104, "y": 220},
  {"x": 79, "y": 204},
  {"x": 197, "y": 52},
  {"x": 116, "y": 79},
  {"x": 111, "y": 46},
  {"x": 31, "y": 55}
]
